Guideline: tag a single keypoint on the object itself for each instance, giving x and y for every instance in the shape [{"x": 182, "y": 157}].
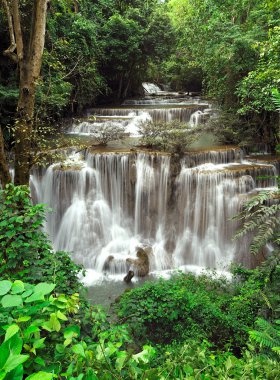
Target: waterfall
[
  {"x": 166, "y": 101},
  {"x": 133, "y": 113},
  {"x": 107, "y": 205},
  {"x": 130, "y": 122},
  {"x": 157, "y": 114},
  {"x": 151, "y": 88},
  {"x": 112, "y": 203},
  {"x": 131, "y": 118}
]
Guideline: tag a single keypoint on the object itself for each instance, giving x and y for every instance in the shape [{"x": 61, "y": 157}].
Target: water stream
[{"x": 107, "y": 204}]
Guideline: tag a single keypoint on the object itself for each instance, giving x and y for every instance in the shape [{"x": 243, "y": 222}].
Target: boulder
[{"x": 140, "y": 265}]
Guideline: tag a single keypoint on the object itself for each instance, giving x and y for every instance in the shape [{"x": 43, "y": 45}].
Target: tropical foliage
[{"x": 186, "y": 327}]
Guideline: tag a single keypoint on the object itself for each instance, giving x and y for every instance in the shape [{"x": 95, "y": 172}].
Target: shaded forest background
[{"x": 100, "y": 52}]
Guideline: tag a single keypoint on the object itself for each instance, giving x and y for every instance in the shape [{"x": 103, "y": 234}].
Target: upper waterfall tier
[
  {"x": 133, "y": 113},
  {"x": 182, "y": 113},
  {"x": 116, "y": 202}
]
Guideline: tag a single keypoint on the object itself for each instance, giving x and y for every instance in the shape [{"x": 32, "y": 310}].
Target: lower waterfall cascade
[{"x": 115, "y": 202}]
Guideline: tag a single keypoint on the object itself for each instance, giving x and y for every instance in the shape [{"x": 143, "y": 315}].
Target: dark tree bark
[
  {"x": 4, "y": 169},
  {"x": 27, "y": 50}
]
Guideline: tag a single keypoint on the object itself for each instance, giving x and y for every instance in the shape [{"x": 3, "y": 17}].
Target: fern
[
  {"x": 261, "y": 216},
  {"x": 267, "y": 337}
]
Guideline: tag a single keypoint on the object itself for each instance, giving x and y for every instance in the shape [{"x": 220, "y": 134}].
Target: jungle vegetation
[{"x": 58, "y": 58}]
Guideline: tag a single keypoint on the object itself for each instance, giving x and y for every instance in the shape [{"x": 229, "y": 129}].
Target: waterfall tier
[
  {"x": 165, "y": 114},
  {"x": 133, "y": 113},
  {"x": 115, "y": 202}
]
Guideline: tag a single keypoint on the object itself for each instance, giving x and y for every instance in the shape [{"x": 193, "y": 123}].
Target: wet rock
[
  {"x": 140, "y": 265},
  {"x": 129, "y": 276},
  {"x": 107, "y": 263}
]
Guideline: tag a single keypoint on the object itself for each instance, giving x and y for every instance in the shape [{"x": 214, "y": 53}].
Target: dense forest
[{"x": 58, "y": 59}]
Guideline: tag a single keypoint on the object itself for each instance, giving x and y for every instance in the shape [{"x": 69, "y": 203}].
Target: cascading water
[
  {"x": 134, "y": 112},
  {"x": 179, "y": 210},
  {"x": 151, "y": 88},
  {"x": 115, "y": 203}
]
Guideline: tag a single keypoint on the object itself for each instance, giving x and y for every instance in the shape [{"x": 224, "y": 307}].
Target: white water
[
  {"x": 129, "y": 123},
  {"x": 106, "y": 205},
  {"x": 151, "y": 88},
  {"x": 117, "y": 202},
  {"x": 133, "y": 113}
]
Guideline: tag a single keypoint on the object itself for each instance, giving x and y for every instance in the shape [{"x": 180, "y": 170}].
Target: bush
[
  {"x": 189, "y": 307},
  {"x": 230, "y": 128},
  {"x": 108, "y": 132},
  {"x": 25, "y": 251},
  {"x": 174, "y": 137},
  {"x": 193, "y": 360}
]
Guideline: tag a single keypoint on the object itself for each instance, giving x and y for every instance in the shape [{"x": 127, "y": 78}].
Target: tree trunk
[
  {"x": 30, "y": 62},
  {"x": 76, "y": 6},
  {"x": 120, "y": 87},
  {"x": 24, "y": 123},
  {"x": 4, "y": 169}
]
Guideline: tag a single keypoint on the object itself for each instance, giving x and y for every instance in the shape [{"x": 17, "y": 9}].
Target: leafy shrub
[
  {"x": 230, "y": 128},
  {"x": 187, "y": 307},
  {"x": 40, "y": 337},
  {"x": 257, "y": 290},
  {"x": 25, "y": 251},
  {"x": 174, "y": 137},
  {"x": 198, "y": 361}
]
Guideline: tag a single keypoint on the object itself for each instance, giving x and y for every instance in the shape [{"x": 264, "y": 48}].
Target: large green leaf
[
  {"x": 44, "y": 288},
  {"x": 5, "y": 286},
  {"x": 11, "y": 301},
  {"x": 15, "y": 374},
  {"x": 13, "y": 345},
  {"x": 11, "y": 331},
  {"x": 35, "y": 297},
  {"x": 72, "y": 331},
  {"x": 40, "y": 291},
  {"x": 17, "y": 287},
  {"x": 53, "y": 324},
  {"x": 14, "y": 361},
  {"x": 4, "y": 354}
]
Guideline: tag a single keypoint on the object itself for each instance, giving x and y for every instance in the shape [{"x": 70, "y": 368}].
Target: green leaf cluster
[
  {"x": 41, "y": 338},
  {"x": 25, "y": 251}
]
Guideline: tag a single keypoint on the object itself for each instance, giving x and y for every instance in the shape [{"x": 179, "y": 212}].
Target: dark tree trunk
[
  {"x": 4, "y": 169},
  {"x": 120, "y": 86},
  {"x": 29, "y": 56},
  {"x": 24, "y": 122}
]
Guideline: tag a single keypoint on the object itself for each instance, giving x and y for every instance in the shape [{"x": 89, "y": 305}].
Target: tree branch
[
  {"x": 10, "y": 51},
  {"x": 17, "y": 29},
  {"x": 76, "y": 6},
  {"x": 38, "y": 40}
]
